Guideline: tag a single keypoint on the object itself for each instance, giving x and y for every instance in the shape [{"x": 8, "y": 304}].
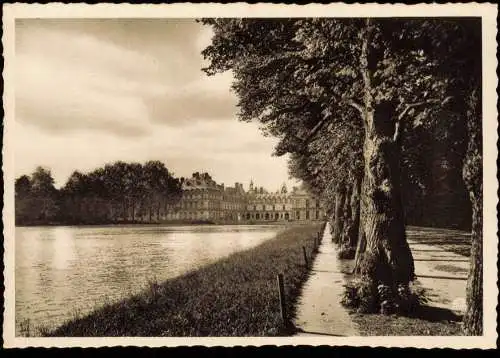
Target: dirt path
[
  {"x": 443, "y": 273},
  {"x": 319, "y": 311}
]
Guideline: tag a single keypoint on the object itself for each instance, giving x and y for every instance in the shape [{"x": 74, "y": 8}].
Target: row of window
[
  {"x": 277, "y": 216},
  {"x": 277, "y": 200}
]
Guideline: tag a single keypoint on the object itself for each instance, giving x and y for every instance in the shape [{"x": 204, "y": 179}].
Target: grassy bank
[{"x": 236, "y": 296}]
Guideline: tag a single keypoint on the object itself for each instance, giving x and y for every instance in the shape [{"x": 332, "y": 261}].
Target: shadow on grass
[
  {"x": 443, "y": 277},
  {"x": 287, "y": 329},
  {"x": 415, "y": 240},
  {"x": 436, "y": 314},
  {"x": 299, "y": 330},
  {"x": 441, "y": 260}
]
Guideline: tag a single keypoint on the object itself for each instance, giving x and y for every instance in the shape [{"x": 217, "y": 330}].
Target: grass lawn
[
  {"x": 236, "y": 296},
  {"x": 455, "y": 241}
]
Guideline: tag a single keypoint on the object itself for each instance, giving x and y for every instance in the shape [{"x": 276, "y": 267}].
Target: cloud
[
  {"x": 90, "y": 92},
  {"x": 188, "y": 107},
  {"x": 117, "y": 76}
]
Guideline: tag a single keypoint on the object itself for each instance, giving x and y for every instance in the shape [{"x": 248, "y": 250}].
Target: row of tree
[
  {"x": 118, "y": 192},
  {"x": 367, "y": 108}
]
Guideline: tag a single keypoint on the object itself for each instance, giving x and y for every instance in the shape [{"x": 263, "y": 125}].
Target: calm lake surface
[{"x": 63, "y": 270}]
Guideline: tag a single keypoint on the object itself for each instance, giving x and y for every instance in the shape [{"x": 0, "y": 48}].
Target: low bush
[
  {"x": 411, "y": 298},
  {"x": 346, "y": 252},
  {"x": 359, "y": 295}
]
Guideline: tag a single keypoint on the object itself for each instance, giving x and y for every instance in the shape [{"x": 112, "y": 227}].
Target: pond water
[{"x": 61, "y": 271}]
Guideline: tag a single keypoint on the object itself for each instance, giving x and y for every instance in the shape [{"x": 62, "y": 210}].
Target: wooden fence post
[{"x": 281, "y": 289}]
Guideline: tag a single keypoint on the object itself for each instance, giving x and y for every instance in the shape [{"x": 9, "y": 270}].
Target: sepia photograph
[{"x": 250, "y": 174}]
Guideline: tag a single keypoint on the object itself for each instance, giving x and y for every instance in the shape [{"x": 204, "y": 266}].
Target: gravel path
[{"x": 319, "y": 311}]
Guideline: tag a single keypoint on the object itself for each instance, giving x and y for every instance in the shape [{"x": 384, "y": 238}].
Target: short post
[
  {"x": 319, "y": 236},
  {"x": 281, "y": 289},
  {"x": 305, "y": 256}
]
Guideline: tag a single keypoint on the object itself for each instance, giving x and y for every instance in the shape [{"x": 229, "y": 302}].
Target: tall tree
[
  {"x": 472, "y": 172},
  {"x": 44, "y": 195},
  {"x": 22, "y": 199},
  {"x": 295, "y": 75}
]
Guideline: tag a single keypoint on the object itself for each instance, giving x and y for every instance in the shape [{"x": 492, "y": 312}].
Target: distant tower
[
  {"x": 284, "y": 189},
  {"x": 251, "y": 185}
]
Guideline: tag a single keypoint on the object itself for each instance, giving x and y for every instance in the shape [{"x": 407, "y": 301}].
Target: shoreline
[
  {"x": 235, "y": 296},
  {"x": 172, "y": 223}
]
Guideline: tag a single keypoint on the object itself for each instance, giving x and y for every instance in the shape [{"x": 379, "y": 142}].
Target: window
[
  {"x": 257, "y": 216},
  {"x": 307, "y": 215},
  {"x": 298, "y": 215}
]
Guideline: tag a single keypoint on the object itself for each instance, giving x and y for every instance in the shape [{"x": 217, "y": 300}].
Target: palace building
[{"x": 205, "y": 200}]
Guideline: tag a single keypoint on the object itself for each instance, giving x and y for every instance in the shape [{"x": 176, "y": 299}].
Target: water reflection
[{"x": 60, "y": 270}]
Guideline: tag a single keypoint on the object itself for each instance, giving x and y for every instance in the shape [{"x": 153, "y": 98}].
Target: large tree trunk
[
  {"x": 338, "y": 220},
  {"x": 473, "y": 318},
  {"x": 472, "y": 174},
  {"x": 387, "y": 259},
  {"x": 355, "y": 206},
  {"x": 360, "y": 249},
  {"x": 351, "y": 228},
  {"x": 346, "y": 216}
]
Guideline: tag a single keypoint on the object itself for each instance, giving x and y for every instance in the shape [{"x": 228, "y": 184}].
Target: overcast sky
[{"x": 90, "y": 92}]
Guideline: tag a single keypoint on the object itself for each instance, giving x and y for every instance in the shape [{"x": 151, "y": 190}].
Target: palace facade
[{"x": 205, "y": 200}]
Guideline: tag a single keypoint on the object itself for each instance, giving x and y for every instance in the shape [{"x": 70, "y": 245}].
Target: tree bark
[
  {"x": 346, "y": 216},
  {"x": 387, "y": 258},
  {"x": 473, "y": 318},
  {"x": 472, "y": 174},
  {"x": 352, "y": 224}
]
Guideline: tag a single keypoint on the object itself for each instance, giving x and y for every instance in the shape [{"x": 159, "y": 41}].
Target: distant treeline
[{"x": 118, "y": 192}]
